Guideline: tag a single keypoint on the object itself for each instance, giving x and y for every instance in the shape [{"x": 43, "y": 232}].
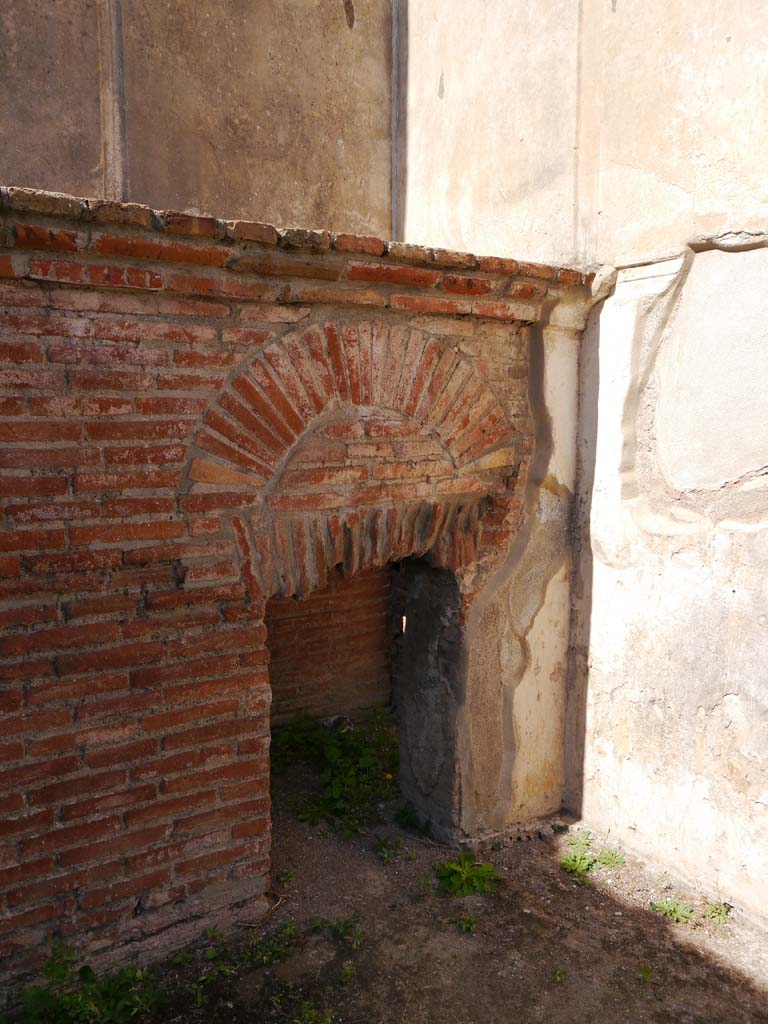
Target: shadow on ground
[{"x": 545, "y": 948}]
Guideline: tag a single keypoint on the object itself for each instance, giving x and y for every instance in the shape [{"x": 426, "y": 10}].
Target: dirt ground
[{"x": 545, "y": 948}]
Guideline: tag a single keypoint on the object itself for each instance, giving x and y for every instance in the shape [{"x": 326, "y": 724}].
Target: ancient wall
[
  {"x": 329, "y": 654},
  {"x": 276, "y": 111},
  {"x": 617, "y": 132},
  {"x": 197, "y": 416}
]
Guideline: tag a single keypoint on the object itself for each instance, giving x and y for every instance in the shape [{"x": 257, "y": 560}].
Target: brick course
[{"x": 196, "y": 416}]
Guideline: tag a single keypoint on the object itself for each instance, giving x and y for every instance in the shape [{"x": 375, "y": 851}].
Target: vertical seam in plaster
[
  {"x": 112, "y": 99},
  {"x": 576, "y": 150},
  {"x": 394, "y": 189}
]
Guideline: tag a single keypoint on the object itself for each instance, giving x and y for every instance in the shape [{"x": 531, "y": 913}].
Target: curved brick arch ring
[{"x": 385, "y": 376}]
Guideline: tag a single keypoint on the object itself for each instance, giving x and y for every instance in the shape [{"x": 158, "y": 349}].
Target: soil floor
[{"x": 544, "y": 949}]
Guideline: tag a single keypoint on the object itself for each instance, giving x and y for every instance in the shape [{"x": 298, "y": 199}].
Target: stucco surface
[
  {"x": 488, "y": 130},
  {"x": 608, "y": 131},
  {"x": 49, "y": 96},
  {"x": 712, "y": 409},
  {"x": 277, "y": 112},
  {"x": 668, "y": 712},
  {"x": 274, "y": 110}
]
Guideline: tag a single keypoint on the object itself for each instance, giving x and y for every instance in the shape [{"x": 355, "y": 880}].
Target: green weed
[
  {"x": 644, "y": 973},
  {"x": 388, "y": 850},
  {"x": 611, "y": 859},
  {"x": 310, "y": 1014},
  {"x": 675, "y": 909},
  {"x": 272, "y": 948},
  {"x": 465, "y": 875},
  {"x": 559, "y": 975},
  {"x": 468, "y": 924},
  {"x": 357, "y": 767},
  {"x": 346, "y": 929},
  {"x": 71, "y": 996},
  {"x": 347, "y": 972},
  {"x": 580, "y": 860},
  {"x": 717, "y": 912}
]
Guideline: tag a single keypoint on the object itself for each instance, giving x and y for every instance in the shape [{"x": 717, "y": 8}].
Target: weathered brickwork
[
  {"x": 329, "y": 654},
  {"x": 196, "y": 416}
]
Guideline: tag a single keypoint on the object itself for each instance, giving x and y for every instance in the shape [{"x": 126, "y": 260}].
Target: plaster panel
[
  {"x": 683, "y": 122},
  {"x": 712, "y": 410},
  {"x": 488, "y": 140},
  {"x": 49, "y": 113},
  {"x": 276, "y": 112}
]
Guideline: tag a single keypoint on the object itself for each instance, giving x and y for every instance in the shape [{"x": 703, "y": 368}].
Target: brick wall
[
  {"x": 196, "y": 416},
  {"x": 329, "y": 654}
]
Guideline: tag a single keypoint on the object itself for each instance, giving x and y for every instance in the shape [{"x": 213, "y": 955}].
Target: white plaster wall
[
  {"x": 668, "y": 724},
  {"x": 593, "y": 131},
  {"x": 488, "y": 126}
]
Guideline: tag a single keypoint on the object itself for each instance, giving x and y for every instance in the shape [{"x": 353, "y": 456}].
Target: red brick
[
  {"x": 30, "y": 236},
  {"x": 129, "y": 480},
  {"x": 109, "y": 802},
  {"x": 182, "y": 716},
  {"x": 60, "y": 792},
  {"x": 32, "y": 540},
  {"x": 32, "y": 487},
  {"x": 169, "y": 810},
  {"x": 458, "y": 284},
  {"x": 431, "y": 304},
  {"x": 21, "y": 352},
  {"x": 417, "y": 277},
  {"x": 100, "y": 851},
  {"x": 360, "y": 244},
  {"x": 147, "y": 247},
  {"x": 58, "y": 639},
  {"x": 6, "y": 267},
  {"x": 110, "y": 658},
  {"x": 66, "y": 838}
]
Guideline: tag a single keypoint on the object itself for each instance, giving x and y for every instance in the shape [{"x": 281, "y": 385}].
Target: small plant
[
  {"x": 217, "y": 960},
  {"x": 388, "y": 850},
  {"x": 182, "y": 959},
  {"x": 357, "y": 766},
  {"x": 347, "y": 972},
  {"x": 468, "y": 924},
  {"x": 559, "y": 975},
  {"x": 675, "y": 909},
  {"x": 272, "y": 948},
  {"x": 644, "y": 973},
  {"x": 309, "y": 1014},
  {"x": 611, "y": 859},
  {"x": 580, "y": 860},
  {"x": 285, "y": 877},
  {"x": 465, "y": 875},
  {"x": 717, "y": 912},
  {"x": 72, "y": 996},
  {"x": 346, "y": 929}
]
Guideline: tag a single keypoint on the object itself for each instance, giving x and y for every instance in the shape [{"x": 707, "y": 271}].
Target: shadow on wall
[
  {"x": 399, "y": 141},
  {"x": 581, "y": 586}
]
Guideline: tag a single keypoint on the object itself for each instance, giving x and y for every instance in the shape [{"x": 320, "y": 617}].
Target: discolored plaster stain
[
  {"x": 349, "y": 13},
  {"x": 441, "y": 86}
]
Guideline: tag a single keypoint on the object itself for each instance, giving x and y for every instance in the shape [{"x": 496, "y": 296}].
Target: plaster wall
[
  {"x": 270, "y": 111},
  {"x": 669, "y": 685},
  {"x": 606, "y": 131}
]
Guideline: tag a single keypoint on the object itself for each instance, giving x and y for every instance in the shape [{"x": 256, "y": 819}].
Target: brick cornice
[{"x": 81, "y": 237}]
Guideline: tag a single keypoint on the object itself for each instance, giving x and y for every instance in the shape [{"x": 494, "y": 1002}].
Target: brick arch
[{"x": 377, "y": 380}]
